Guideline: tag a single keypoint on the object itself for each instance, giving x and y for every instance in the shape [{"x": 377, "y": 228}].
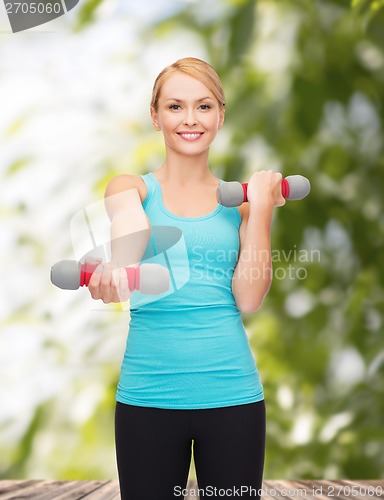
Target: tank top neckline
[{"x": 178, "y": 217}]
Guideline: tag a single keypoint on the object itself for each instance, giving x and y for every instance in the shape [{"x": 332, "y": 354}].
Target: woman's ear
[
  {"x": 154, "y": 118},
  {"x": 221, "y": 117}
]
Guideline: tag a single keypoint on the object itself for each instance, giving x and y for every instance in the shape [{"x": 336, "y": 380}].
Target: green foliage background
[{"x": 304, "y": 82}]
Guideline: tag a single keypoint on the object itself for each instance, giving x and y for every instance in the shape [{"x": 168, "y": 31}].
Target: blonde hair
[{"x": 196, "y": 68}]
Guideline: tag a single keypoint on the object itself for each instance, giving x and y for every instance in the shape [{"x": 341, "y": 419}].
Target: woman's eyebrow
[{"x": 181, "y": 100}]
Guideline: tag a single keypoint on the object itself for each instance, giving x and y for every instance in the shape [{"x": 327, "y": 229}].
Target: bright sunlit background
[{"x": 304, "y": 83}]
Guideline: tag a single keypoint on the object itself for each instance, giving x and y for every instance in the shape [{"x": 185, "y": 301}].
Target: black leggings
[{"x": 154, "y": 446}]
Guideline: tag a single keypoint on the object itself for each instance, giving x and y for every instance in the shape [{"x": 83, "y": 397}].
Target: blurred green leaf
[{"x": 86, "y": 14}]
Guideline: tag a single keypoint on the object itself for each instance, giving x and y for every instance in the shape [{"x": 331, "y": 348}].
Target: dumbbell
[
  {"x": 149, "y": 279},
  {"x": 233, "y": 193}
]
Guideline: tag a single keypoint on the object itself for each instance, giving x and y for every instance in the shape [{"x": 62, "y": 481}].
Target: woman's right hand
[
  {"x": 108, "y": 283},
  {"x": 264, "y": 188}
]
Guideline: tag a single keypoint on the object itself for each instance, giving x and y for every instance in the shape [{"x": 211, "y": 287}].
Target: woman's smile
[{"x": 190, "y": 136}]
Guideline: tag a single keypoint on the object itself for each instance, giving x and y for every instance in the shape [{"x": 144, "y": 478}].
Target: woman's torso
[{"x": 188, "y": 348}]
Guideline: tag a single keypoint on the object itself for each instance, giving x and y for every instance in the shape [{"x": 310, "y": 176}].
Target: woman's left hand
[{"x": 264, "y": 188}]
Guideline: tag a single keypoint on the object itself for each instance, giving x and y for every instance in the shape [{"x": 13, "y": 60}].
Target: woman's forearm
[
  {"x": 252, "y": 277},
  {"x": 130, "y": 229}
]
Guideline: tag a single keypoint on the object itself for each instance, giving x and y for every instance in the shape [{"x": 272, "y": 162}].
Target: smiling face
[{"x": 188, "y": 114}]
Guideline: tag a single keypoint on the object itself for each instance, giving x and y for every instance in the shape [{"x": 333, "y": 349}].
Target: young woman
[{"x": 188, "y": 373}]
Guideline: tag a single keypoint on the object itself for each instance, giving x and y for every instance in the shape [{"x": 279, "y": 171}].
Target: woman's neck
[{"x": 181, "y": 171}]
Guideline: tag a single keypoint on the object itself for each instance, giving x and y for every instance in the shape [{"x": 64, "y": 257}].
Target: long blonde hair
[{"x": 196, "y": 68}]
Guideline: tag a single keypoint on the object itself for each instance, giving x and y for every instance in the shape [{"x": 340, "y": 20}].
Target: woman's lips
[{"x": 190, "y": 136}]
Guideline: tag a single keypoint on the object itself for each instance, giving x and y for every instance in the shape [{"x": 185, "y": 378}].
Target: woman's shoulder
[{"x": 123, "y": 182}]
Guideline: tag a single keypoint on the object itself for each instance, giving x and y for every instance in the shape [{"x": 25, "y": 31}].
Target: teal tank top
[{"x": 187, "y": 348}]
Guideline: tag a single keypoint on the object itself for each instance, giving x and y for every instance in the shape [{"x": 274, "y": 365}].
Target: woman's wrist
[{"x": 261, "y": 204}]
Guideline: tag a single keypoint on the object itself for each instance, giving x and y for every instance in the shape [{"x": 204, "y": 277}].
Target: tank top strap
[{"x": 152, "y": 188}]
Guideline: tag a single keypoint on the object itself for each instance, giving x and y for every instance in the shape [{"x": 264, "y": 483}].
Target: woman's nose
[{"x": 189, "y": 117}]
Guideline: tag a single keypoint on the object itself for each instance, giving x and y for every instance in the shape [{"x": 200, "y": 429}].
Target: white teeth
[{"x": 190, "y": 136}]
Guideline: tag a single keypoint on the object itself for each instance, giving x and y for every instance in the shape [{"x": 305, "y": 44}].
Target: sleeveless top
[{"x": 187, "y": 348}]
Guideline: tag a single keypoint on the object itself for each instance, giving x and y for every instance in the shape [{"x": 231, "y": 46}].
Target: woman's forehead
[{"x": 180, "y": 86}]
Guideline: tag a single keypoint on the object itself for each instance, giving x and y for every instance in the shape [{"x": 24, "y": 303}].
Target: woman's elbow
[
  {"x": 253, "y": 304},
  {"x": 250, "y": 307},
  {"x": 250, "y": 301}
]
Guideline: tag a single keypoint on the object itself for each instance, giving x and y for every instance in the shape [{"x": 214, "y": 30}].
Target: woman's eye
[
  {"x": 174, "y": 106},
  {"x": 205, "y": 106}
]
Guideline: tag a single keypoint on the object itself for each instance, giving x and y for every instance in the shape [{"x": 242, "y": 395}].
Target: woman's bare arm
[
  {"x": 130, "y": 226},
  {"x": 130, "y": 233},
  {"x": 252, "y": 277}
]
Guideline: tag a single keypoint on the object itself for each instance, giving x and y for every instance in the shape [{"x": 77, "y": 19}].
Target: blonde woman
[{"x": 188, "y": 373}]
